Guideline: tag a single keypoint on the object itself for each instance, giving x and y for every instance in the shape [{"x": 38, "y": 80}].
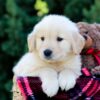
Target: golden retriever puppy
[{"x": 54, "y": 48}]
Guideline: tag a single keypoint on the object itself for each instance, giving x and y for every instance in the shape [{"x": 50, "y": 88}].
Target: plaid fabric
[{"x": 86, "y": 88}]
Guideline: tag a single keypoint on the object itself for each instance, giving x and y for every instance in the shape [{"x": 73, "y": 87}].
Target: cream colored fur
[{"x": 64, "y": 66}]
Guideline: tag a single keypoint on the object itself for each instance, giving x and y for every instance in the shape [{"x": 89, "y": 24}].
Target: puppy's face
[
  {"x": 52, "y": 46},
  {"x": 55, "y": 39}
]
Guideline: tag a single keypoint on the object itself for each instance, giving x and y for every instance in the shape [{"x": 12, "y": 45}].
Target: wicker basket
[{"x": 16, "y": 92}]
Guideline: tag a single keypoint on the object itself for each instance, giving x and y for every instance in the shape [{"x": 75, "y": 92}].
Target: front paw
[
  {"x": 66, "y": 82},
  {"x": 50, "y": 87}
]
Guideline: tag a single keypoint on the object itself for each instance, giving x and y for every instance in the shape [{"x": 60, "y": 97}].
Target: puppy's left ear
[
  {"x": 78, "y": 43},
  {"x": 31, "y": 41}
]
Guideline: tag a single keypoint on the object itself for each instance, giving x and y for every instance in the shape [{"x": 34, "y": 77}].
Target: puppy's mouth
[
  {"x": 48, "y": 58},
  {"x": 52, "y": 58}
]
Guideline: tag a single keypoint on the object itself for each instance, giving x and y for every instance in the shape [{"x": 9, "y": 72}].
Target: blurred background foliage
[{"x": 17, "y": 19}]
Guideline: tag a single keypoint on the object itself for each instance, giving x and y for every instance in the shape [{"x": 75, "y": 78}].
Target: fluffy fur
[{"x": 61, "y": 36}]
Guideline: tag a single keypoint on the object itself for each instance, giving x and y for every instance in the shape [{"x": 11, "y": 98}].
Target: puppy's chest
[{"x": 58, "y": 68}]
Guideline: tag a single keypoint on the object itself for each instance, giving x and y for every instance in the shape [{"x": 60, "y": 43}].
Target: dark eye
[
  {"x": 86, "y": 32},
  {"x": 42, "y": 38},
  {"x": 59, "y": 39},
  {"x": 85, "y": 37}
]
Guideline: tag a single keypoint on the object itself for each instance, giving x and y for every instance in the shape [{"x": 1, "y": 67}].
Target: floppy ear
[
  {"x": 78, "y": 43},
  {"x": 31, "y": 42}
]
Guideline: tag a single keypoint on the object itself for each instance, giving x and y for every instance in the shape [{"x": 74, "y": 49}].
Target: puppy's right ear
[{"x": 31, "y": 42}]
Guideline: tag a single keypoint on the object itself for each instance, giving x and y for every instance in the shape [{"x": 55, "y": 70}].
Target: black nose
[{"x": 47, "y": 52}]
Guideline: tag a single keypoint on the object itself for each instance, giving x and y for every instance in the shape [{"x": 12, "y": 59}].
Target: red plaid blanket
[{"x": 86, "y": 88}]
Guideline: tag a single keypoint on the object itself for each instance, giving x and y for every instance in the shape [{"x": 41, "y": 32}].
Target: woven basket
[{"x": 16, "y": 92}]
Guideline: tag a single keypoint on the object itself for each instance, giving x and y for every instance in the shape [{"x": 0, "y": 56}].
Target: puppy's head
[{"x": 54, "y": 38}]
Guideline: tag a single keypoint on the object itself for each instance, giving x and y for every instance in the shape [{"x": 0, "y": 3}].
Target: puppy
[{"x": 54, "y": 48}]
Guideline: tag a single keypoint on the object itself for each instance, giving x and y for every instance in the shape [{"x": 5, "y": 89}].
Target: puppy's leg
[
  {"x": 67, "y": 79},
  {"x": 49, "y": 80}
]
